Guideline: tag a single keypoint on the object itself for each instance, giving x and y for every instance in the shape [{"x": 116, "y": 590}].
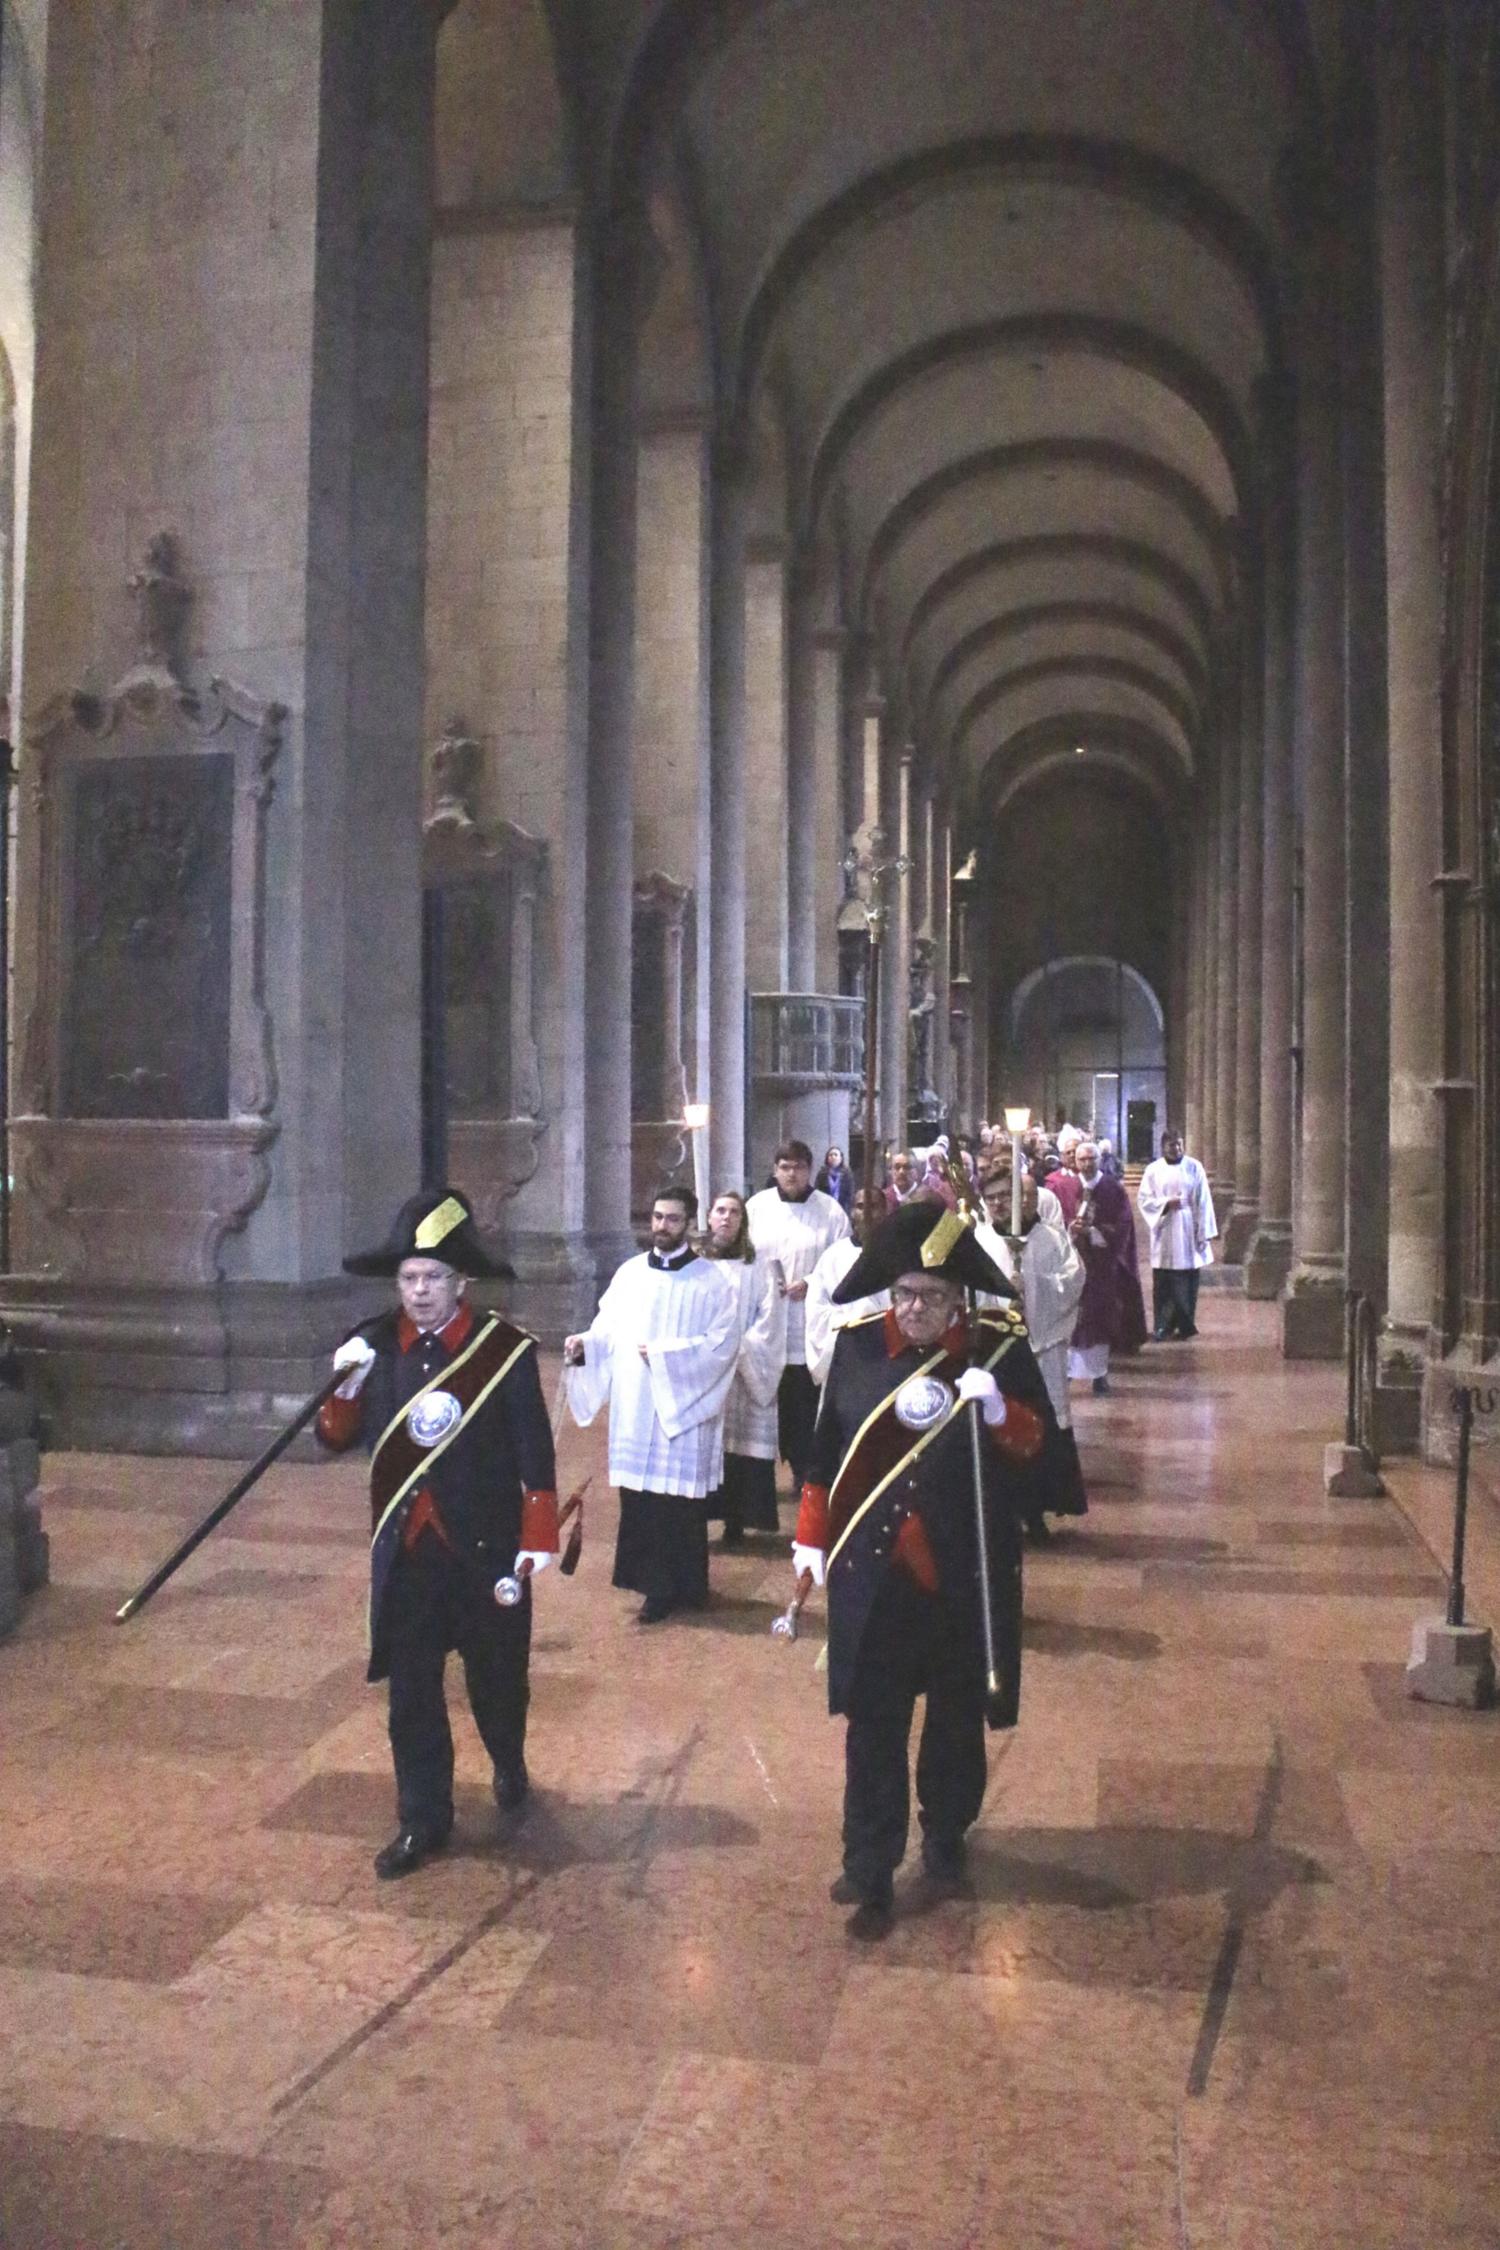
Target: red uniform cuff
[
  {"x": 812, "y": 1516},
  {"x": 1019, "y": 1437},
  {"x": 539, "y": 1522},
  {"x": 339, "y": 1422}
]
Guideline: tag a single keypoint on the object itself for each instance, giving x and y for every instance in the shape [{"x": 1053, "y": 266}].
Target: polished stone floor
[{"x": 1230, "y": 1977}]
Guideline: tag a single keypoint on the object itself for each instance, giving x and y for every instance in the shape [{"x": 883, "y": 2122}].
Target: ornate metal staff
[
  {"x": 237, "y": 1492},
  {"x": 784, "y": 1627},
  {"x": 510, "y": 1588}
]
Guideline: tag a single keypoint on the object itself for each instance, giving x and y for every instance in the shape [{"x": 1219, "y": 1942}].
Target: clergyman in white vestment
[
  {"x": 1178, "y": 1209},
  {"x": 662, "y": 1351}
]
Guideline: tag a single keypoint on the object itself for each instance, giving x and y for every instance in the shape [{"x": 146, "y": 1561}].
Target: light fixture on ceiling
[{"x": 1078, "y": 749}]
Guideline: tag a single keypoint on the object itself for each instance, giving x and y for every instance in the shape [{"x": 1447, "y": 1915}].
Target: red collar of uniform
[
  {"x": 450, "y": 1337},
  {"x": 955, "y": 1342}
]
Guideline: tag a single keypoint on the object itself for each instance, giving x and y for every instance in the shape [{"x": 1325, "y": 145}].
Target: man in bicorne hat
[
  {"x": 889, "y": 1522},
  {"x": 462, "y": 1494}
]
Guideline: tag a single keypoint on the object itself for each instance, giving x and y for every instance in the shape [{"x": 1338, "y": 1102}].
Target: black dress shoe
[
  {"x": 1101, "y": 1386},
  {"x": 653, "y": 1610},
  {"x": 945, "y": 1860},
  {"x": 404, "y": 1854},
  {"x": 733, "y": 1539},
  {"x": 512, "y": 1786},
  {"x": 877, "y": 1897}
]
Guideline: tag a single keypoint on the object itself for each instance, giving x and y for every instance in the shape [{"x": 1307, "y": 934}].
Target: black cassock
[{"x": 890, "y": 1638}]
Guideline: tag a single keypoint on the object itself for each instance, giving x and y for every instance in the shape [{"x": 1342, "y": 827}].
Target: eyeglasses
[{"x": 935, "y": 1300}]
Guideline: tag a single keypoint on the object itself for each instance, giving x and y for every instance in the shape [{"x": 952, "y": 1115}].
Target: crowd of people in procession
[{"x": 834, "y": 1327}]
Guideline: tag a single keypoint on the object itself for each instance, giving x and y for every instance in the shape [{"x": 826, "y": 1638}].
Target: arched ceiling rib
[
  {"x": 1055, "y": 461},
  {"x": 1117, "y": 687},
  {"x": 1113, "y": 628},
  {"x": 1009, "y": 298},
  {"x": 1141, "y": 183},
  {"x": 1048, "y": 748}
]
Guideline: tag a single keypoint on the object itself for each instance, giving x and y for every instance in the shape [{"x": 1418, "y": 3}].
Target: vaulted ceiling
[{"x": 1001, "y": 279}]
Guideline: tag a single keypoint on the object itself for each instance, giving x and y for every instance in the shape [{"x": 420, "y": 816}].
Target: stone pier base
[
  {"x": 1451, "y": 1664},
  {"x": 23, "y": 1542},
  {"x": 1312, "y": 1315},
  {"x": 1268, "y": 1261}
]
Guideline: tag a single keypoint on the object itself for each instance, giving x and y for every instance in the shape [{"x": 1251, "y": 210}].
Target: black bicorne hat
[
  {"x": 922, "y": 1237},
  {"x": 437, "y": 1224}
]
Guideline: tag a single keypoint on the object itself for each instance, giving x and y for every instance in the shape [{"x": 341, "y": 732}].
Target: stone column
[
  {"x": 727, "y": 1153},
  {"x": 942, "y": 963},
  {"x": 673, "y": 827},
  {"x": 895, "y": 966},
  {"x": 1208, "y": 1151},
  {"x": 1367, "y": 925},
  {"x": 1226, "y": 904},
  {"x": 830, "y": 834},
  {"x": 1312, "y": 1304},
  {"x": 803, "y": 891},
  {"x": 1269, "y": 1256},
  {"x": 1246, "y": 1211},
  {"x": 1412, "y": 297},
  {"x": 1194, "y": 984},
  {"x": 233, "y": 348},
  {"x": 767, "y": 810},
  {"x": 617, "y": 274}
]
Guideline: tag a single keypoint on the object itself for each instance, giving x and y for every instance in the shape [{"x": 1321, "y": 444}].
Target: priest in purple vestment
[{"x": 1112, "y": 1311}]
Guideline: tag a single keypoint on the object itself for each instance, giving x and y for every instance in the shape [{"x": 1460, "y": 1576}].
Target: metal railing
[{"x": 803, "y": 1040}]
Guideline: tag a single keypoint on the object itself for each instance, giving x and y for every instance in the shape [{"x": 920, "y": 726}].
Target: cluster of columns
[{"x": 1312, "y": 1034}]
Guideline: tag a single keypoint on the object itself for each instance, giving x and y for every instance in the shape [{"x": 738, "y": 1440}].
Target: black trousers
[
  {"x": 912, "y": 1645},
  {"x": 796, "y": 1419},
  {"x": 747, "y": 1497},
  {"x": 439, "y": 1602},
  {"x": 1174, "y": 1300},
  {"x": 661, "y": 1548}
]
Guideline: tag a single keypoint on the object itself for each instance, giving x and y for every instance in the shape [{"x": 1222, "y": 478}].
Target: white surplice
[
  {"x": 795, "y": 1235},
  {"x": 750, "y": 1412},
  {"x": 1180, "y": 1239},
  {"x": 824, "y": 1317},
  {"x": 1051, "y": 1283},
  {"x": 666, "y": 1411}
]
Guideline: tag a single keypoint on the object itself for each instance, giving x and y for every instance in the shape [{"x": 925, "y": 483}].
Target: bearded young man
[
  {"x": 793, "y": 1223},
  {"x": 661, "y": 1352}
]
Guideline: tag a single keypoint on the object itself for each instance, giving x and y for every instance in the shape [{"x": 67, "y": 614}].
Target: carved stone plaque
[
  {"x": 476, "y": 995},
  {"x": 146, "y": 978}
]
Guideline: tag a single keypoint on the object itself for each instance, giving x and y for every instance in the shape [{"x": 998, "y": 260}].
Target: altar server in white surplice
[
  {"x": 794, "y": 1223},
  {"x": 662, "y": 1350},
  {"x": 824, "y": 1318},
  {"x": 1050, "y": 1275},
  {"x": 747, "y": 1498},
  {"x": 1178, "y": 1210}
]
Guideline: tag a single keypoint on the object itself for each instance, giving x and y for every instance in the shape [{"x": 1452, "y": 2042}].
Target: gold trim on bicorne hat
[
  {"x": 439, "y": 1224},
  {"x": 937, "y": 1249}
]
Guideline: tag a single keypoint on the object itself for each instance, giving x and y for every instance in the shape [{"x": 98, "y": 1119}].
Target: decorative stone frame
[
  {"x": 141, "y": 1200},
  {"x": 492, "y": 1158}
]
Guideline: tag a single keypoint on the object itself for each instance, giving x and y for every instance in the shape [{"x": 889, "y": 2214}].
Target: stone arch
[
  {"x": 1147, "y": 181},
  {"x": 1117, "y": 616},
  {"x": 1111, "y": 461},
  {"x": 1121, "y": 341},
  {"x": 1066, "y": 670},
  {"x": 504, "y": 137},
  {"x": 1147, "y": 561}
]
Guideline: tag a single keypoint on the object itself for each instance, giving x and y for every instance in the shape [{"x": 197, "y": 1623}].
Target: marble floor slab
[{"x": 1225, "y": 1976}]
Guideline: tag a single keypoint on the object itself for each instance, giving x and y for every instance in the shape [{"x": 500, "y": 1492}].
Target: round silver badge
[
  {"x": 432, "y": 1417},
  {"x": 923, "y": 1401}
]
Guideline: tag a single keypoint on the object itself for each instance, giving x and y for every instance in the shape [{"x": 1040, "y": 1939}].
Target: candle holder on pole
[{"x": 870, "y": 871}]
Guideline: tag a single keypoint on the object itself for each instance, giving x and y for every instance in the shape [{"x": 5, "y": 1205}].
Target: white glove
[
  {"x": 538, "y": 1557},
  {"x": 809, "y": 1558},
  {"x": 357, "y": 1357},
  {"x": 978, "y": 1382}
]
